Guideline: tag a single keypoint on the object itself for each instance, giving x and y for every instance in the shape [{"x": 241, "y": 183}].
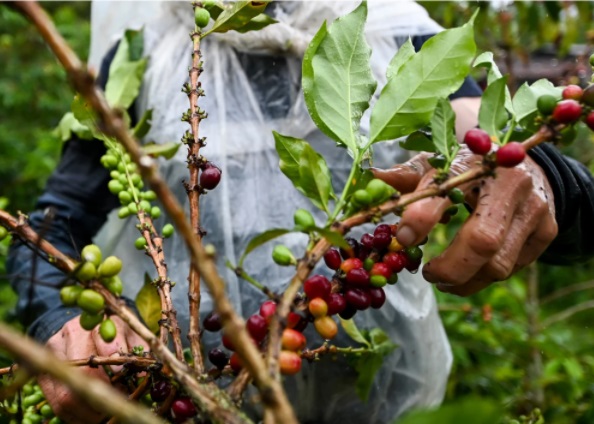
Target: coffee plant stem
[
  {"x": 240, "y": 272},
  {"x": 349, "y": 183},
  {"x": 273, "y": 395},
  {"x": 98, "y": 394}
]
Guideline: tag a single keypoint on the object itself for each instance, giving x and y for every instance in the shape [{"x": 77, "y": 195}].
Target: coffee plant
[{"x": 176, "y": 384}]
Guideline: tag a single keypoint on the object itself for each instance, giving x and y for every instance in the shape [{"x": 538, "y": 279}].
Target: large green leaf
[
  {"x": 437, "y": 70},
  {"x": 289, "y": 150},
  {"x": 486, "y": 60},
  {"x": 237, "y": 16},
  {"x": 524, "y": 100},
  {"x": 314, "y": 178},
  {"x": 124, "y": 82},
  {"x": 257, "y": 23},
  {"x": 148, "y": 304},
  {"x": 404, "y": 53},
  {"x": 442, "y": 129},
  {"x": 144, "y": 124},
  {"x": 418, "y": 141},
  {"x": 493, "y": 114},
  {"x": 260, "y": 239},
  {"x": 70, "y": 125},
  {"x": 166, "y": 150},
  {"x": 343, "y": 82},
  {"x": 353, "y": 331}
]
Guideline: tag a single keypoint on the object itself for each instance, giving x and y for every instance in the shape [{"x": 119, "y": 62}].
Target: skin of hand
[
  {"x": 73, "y": 342},
  {"x": 512, "y": 223}
]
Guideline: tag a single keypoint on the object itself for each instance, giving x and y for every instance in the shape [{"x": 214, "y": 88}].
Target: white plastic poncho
[{"x": 252, "y": 84}]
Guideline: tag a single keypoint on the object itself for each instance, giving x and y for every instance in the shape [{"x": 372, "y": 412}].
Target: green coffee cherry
[
  {"x": 136, "y": 180},
  {"x": 377, "y": 189},
  {"x": 55, "y": 420},
  {"x": 592, "y": 60},
  {"x": 414, "y": 253},
  {"x": 368, "y": 264},
  {"x": 124, "y": 212},
  {"x": 456, "y": 195},
  {"x": 123, "y": 179},
  {"x": 378, "y": 280},
  {"x": 546, "y": 104},
  {"x": 109, "y": 161},
  {"x": 114, "y": 174},
  {"x": 89, "y": 321},
  {"x": 115, "y": 186},
  {"x": 131, "y": 167},
  {"x": 283, "y": 256},
  {"x": 155, "y": 212},
  {"x": 69, "y": 295},
  {"x": 133, "y": 208},
  {"x": 114, "y": 285},
  {"x": 144, "y": 205},
  {"x": 149, "y": 195},
  {"x": 168, "y": 230},
  {"x": 140, "y": 243},
  {"x": 361, "y": 198},
  {"x": 122, "y": 168},
  {"x": 3, "y": 233},
  {"x": 91, "y": 253},
  {"x": 90, "y": 301},
  {"x": 304, "y": 219},
  {"x": 125, "y": 197},
  {"x": 110, "y": 267},
  {"x": 108, "y": 331},
  {"x": 201, "y": 17},
  {"x": 32, "y": 400},
  {"x": 568, "y": 135},
  {"x": 46, "y": 411},
  {"x": 86, "y": 271},
  {"x": 393, "y": 279},
  {"x": 27, "y": 390}
]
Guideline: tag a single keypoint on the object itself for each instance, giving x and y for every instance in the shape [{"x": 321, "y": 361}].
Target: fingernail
[
  {"x": 406, "y": 236},
  {"x": 116, "y": 368}
]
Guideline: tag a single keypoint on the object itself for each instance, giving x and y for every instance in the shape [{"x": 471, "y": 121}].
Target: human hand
[
  {"x": 73, "y": 342},
  {"x": 512, "y": 224}
]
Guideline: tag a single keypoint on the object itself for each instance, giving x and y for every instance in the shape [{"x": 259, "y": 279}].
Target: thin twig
[
  {"x": 238, "y": 386},
  {"x": 567, "y": 313},
  {"x": 586, "y": 285}
]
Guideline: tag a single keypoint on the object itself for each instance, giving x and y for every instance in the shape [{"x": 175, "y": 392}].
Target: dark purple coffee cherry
[
  {"x": 182, "y": 409},
  {"x": 357, "y": 298},
  {"x": 382, "y": 228},
  {"x": 358, "y": 277},
  {"x": 378, "y": 297},
  {"x": 382, "y": 240},
  {"x": 353, "y": 252},
  {"x": 160, "y": 390},
  {"x": 212, "y": 322},
  {"x": 210, "y": 177},
  {"x": 367, "y": 240},
  {"x": 348, "y": 312},
  {"x": 218, "y": 358}
]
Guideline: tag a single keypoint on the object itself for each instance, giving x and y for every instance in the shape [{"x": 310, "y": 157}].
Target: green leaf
[
  {"x": 407, "y": 101},
  {"x": 124, "y": 82},
  {"x": 236, "y": 16},
  {"x": 359, "y": 181},
  {"x": 215, "y": 10},
  {"x": 442, "y": 128},
  {"x": 144, "y": 124},
  {"x": 289, "y": 150},
  {"x": 524, "y": 100},
  {"x": 70, "y": 125},
  {"x": 352, "y": 330},
  {"x": 418, "y": 141},
  {"x": 342, "y": 79},
  {"x": 260, "y": 239},
  {"x": 135, "y": 40},
  {"x": 470, "y": 410},
  {"x": 336, "y": 239},
  {"x": 257, "y": 23},
  {"x": 492, "y": 114},
  {"x": 83, "y": 112},
  {"x": 486, "y": 60},
  {"x": 166, "y": 150},
  {"x": 148, "y": 304},
  {"x": 314, "y": 178},
  {"x": 404, "y": 53}
]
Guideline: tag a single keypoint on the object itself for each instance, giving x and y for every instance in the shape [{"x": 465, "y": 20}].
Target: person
[{"x": 252, "y": 84}]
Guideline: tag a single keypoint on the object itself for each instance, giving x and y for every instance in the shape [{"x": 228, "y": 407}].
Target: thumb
[{"x": 405, "y": 177}]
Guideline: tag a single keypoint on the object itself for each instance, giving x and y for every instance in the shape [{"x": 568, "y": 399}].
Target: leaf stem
[{"x": 342, "y": 200}]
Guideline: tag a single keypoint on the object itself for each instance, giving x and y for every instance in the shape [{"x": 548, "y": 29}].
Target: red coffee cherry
[
  {"x": 358, "y": 277},
  {"x": 357, "y": 298},
  {"x": 367, "y": 240},
  {"x": 182, "y": 409},
  {"x": 352, "y": 263},
  {"x": 572, "y": 92},
  {"x": 378, "y": 297},
  {"x": 227, "y": 342},
  {"x": 382, "y": 269},
  {"x": 317, "y": 286},
  {"x": 267, "y": 309},
  {"x": 296, "y": 321},
  {"x": 567, "y": 111},
  {"x": 235, "y": 363},
  {"x": 382, "y": 240},
  {"x": 257, "y": 327},
  {"x": 382, "y": 228},
  {"x": 332, "y": 259},
  {"x": 478, "y": 141},
  {"x": 590, "y": 120},
  {"x": 210, "y": 177},
  {"x": 510, "y": 155},
  {"x": 290, "y": 362},
  {"x": 292, "y": 340},
  {"x": 395, "y": 260},
  {"x": 336, "y": 303}
]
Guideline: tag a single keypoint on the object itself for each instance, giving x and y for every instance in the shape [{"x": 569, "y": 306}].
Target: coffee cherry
[
  {"x": 378, "y": 281},
  {"x": 257, "y": 327},
  {"x": 456, "y": 196},
  {"x": 567, "y": 111},
  {"x": 110, "y": 267},
  {"x": 336, "y": 303},
  {"x": 201, "y": 17},
  {"x": 3, "y": 233},
  {"x": 368, "y": 264},
  {"x": 546, "y": 104},
  {"x": 210, "y": 178},
  {"x": 227, "y": 342},
  {"x": 115, "y": 186},
  {"x": 292, "y": 340},
  {"x": 267, "y": 310},
  {"x": 378, "y": 297},
  {"x": 378, "y": 190},
  {"x": 357, "y": 298},
  {"x": 572, "y": 92},
  {"x": 124, "y": 212},
  {"x": 212, "y": 322},
  {"x": 353, "y": 250},
  {"x": 413, "y": 253},
  {"x": 590, "y": 120},
  {"x": 107, "y": 331},
  {"x": 282, "y": 255},
  {"x": 326, "y": 327},
  {"x": 393, "y": 279},
  {"x": 348, "y": 312},
  {"x": 290, "y": 362},
  {"x": 382, "y": 240},
  {"x": 218, "y": 358},
  {"x": 352, "y": 263},
  {"x": 588, "y": 96},
  {"x": 382, "y": 269},
  {"x": 304, "y": 219},
  {"x": 478, "y": 141},
  {"x": 412, "y": 266},
  {"x": 358, "y": 277},
  {"x": 317, "y": 286},
  {"x": 109, "y": 161},
  {"x": 395, "y": 246},
  {"x": 89, "y": 321},
  {"x": 382, "y": 228},
  {"x": 296, "y": 321},
  {"x": 318, "y": 307},
  {"x": 155, "y": 212},
  {"x": 90, "y": 301},
  {"x": 86, "y": 271},
  {"x": 133, "y": 207},
  {"x": 235, "y": 363},
  {"x": 167, "y": 230},
  {"x": 160, "y": 390},
  {"x": 46, "y": 411},
  {"x": 361, "y": 198},
  {"x": 91, "y": 253},
  {"x": 395, "y": 260},
  {"x": 69, "y": 295},
  {"x": 140, "y": 243},
  {"x": 182, "y": 409},
  {"x": 332, "y": 259},
  {"x": 149, "y": 195},
  {"x": 511, "y": 154},
  {"x": 125, "y": 197},
  {"x": 367, "y": 240},
  {"x": 144, "y": 205}
]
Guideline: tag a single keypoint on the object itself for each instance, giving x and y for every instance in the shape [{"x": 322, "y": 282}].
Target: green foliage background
[{"x": 497, "y": 336}]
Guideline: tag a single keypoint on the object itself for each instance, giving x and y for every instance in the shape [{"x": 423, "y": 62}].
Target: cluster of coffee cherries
[
  {"x": 92, "y": 267},
  {"x": 182, "y": 407},
  {"x": 32, "y": 404}
]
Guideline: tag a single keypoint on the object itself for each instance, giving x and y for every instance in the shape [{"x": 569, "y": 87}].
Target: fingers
[{"x": 405, "y": 177}]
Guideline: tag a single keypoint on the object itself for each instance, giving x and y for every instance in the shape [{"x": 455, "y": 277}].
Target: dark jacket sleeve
[{"x": 79, "y": 199}]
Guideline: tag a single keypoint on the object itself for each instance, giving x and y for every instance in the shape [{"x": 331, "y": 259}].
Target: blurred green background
[{"x": 526, "y": 343}]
